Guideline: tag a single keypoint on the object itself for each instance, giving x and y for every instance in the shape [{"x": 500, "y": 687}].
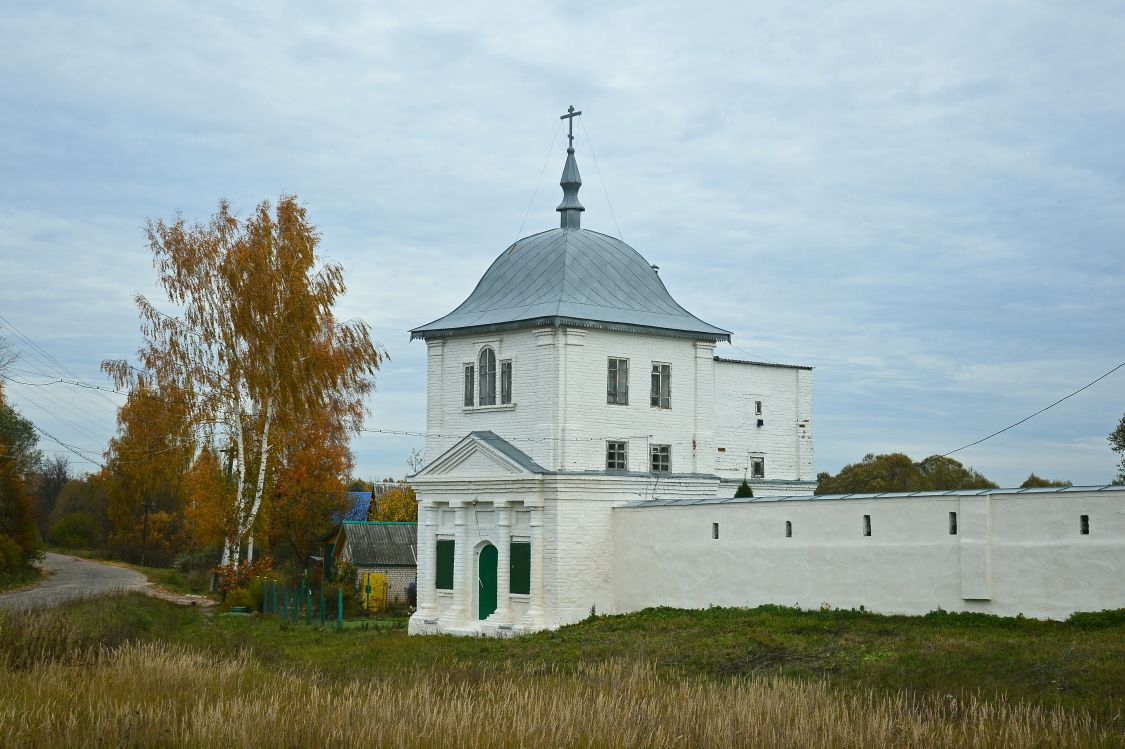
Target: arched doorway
[{"x": 486, "y": 581}]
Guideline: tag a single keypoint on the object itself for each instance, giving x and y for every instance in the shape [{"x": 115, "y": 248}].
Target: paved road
[{"x": 73, "y": 578}]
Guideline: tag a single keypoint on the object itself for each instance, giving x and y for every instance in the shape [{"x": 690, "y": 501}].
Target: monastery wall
[
  {"x": 1012, "y": 553},
  {"x": 785, "y": 438}
]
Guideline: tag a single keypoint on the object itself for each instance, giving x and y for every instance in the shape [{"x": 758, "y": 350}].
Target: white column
[
  {"x": 536, "y": 617},
  {"x": 503, "y": 613},
  {"x": 427, "y": 559},
  {"x": 459, "y": 611}
]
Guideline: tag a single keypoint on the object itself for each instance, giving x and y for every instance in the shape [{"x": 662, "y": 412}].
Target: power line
[
  {"x": 597, "y": 166},
  {"x": 1028, "y": 418},
  {"x": 538, "y": 183}
]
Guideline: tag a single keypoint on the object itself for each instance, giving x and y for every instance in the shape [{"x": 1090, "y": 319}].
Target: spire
[{"x": 570, "y": 209}]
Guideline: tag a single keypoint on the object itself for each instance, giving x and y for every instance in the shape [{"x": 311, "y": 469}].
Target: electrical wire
[{"x": 1029, "y": 418}]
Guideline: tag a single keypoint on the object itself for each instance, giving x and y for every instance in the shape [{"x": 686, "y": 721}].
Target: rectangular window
[
  {"x": 444, "y": 577},
  {"x": 616, "y": 456},
  {"x": 757, "y": 468},
  {"x": 1084, "y": 525},
  {"x": 469, "y": 378},
  {"x": 661, "y": 393},
  {"x": 617, "y": 382},
  {"x": 788, "y": 529},
  {"x": 953, "y": 523},
  {"x": 714, "y": 530},
  {"x": 505, "y": 382},
  {"x": 867, "y": 525},
  {"x": 757, "y": 408},
  {"x": 661, "y": 458},
  {"x": 519, "y": 567}
]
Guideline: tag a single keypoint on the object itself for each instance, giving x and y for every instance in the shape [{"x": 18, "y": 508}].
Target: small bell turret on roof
[{"x": 570, "y": 209}]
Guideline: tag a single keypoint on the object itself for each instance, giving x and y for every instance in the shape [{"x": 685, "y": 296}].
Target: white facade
[
  {"x": 541, "y": 477},
  {"x": 1009, "y": 552},
  {"x": 560, "y": 418}
]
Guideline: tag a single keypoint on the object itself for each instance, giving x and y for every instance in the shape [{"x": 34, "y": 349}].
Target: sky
[{"x": 924, "y": 201}]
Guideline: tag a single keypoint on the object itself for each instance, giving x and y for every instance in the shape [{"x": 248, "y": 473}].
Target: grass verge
[{"x": 769, "y": 677}]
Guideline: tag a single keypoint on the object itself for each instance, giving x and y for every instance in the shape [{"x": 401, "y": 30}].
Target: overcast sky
[{"x": 924, "y": 201}]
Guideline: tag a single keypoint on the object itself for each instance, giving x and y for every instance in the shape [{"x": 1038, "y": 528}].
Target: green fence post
[
  {"x": 285, "y": 614},
  {"x": 293, "y": 613},
  {"x": 273, "y": 608},
  {"x": 322, "y": 603},
  {"x": 340, "y": 609},
  {"x": 308, "y": 606}
]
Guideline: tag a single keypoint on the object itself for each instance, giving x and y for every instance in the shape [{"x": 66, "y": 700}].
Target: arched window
[{"x": 487, "y": 374}]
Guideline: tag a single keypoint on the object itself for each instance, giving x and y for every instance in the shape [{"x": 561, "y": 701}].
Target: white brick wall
[
  {"x": 1013, "y": 553},
  {"x": 561, "y": 419},
  {"x": 786, "y": 445}
]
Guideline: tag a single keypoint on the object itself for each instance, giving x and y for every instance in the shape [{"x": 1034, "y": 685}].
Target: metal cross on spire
[{"x": 570, "y": 115}]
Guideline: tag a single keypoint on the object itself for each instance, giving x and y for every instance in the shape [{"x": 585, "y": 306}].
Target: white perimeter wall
[{"x": 1014, "y": 553}]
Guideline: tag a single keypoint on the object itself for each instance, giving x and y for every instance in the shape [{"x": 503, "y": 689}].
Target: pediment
[{"x": 480, "y": 456}]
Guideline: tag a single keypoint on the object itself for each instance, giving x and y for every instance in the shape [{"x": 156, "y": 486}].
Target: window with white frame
[
  {"x": 661, "y": 392},
  {"x": 469, "y": 379},
  {"x": 617, "y": 382},
  {"x": 506, "y": 382},
  {"x": 757, "y": 468},
  {"x": 616, "y": 455},
  {"x": 486, "y": 363},
  {"x": 661, "y": 459},
  {"x": 757, "y": 408}
]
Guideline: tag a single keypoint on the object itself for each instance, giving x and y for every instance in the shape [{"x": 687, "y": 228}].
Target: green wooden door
[{"x": 486, "y": 569}]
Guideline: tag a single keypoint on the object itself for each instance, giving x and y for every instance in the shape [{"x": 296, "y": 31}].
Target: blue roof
[
  {"x": 360, "y": 503},
  {"x": 572, "y": 277}
]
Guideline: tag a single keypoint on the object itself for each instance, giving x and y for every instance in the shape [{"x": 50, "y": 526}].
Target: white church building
[{"x": 584, "y": 443}]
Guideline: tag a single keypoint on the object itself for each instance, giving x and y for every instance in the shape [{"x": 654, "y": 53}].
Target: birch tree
[{"x": 254, "y": 343}]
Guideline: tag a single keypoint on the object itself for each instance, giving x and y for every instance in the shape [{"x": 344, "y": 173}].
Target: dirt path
[{"x": 73, "y": 578}]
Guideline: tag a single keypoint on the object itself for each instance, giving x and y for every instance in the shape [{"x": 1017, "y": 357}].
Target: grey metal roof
[
  {"x": 499, "y": 443},
  {"x": 868, "y": 495},
  {"x": 762, "y": 363},
  {"x": 382, "y": 544},
  {"x": 571, "y": 277}
]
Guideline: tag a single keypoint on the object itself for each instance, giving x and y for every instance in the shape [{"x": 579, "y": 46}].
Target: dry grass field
[{"x": 111, "y": 673}]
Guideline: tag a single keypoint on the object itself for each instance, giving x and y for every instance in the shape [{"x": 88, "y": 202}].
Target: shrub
[
  {"x": 75, "y": 530},
  {"x": 11, "y": 555},
  {"x": 744, "y": 490},
  {"x": 238, "y": 597}
]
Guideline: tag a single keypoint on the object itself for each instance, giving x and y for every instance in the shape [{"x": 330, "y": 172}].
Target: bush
[
  {"x": 11, "y": 555},
  {"x": 205, "y": 559},
  {"x": 238, "y": 597},
  {"x": 75, "y": 530},
  {"x": 744, "y": 490}
]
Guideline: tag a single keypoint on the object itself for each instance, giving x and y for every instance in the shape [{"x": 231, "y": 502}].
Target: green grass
[{"x": 1074, "y": 664}]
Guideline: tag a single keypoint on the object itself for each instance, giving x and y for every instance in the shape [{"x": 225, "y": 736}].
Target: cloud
[{"x": 926, "y": 205}]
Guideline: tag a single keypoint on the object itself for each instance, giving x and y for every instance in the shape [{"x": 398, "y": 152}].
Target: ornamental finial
[{"x": 570, "y": 209}]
